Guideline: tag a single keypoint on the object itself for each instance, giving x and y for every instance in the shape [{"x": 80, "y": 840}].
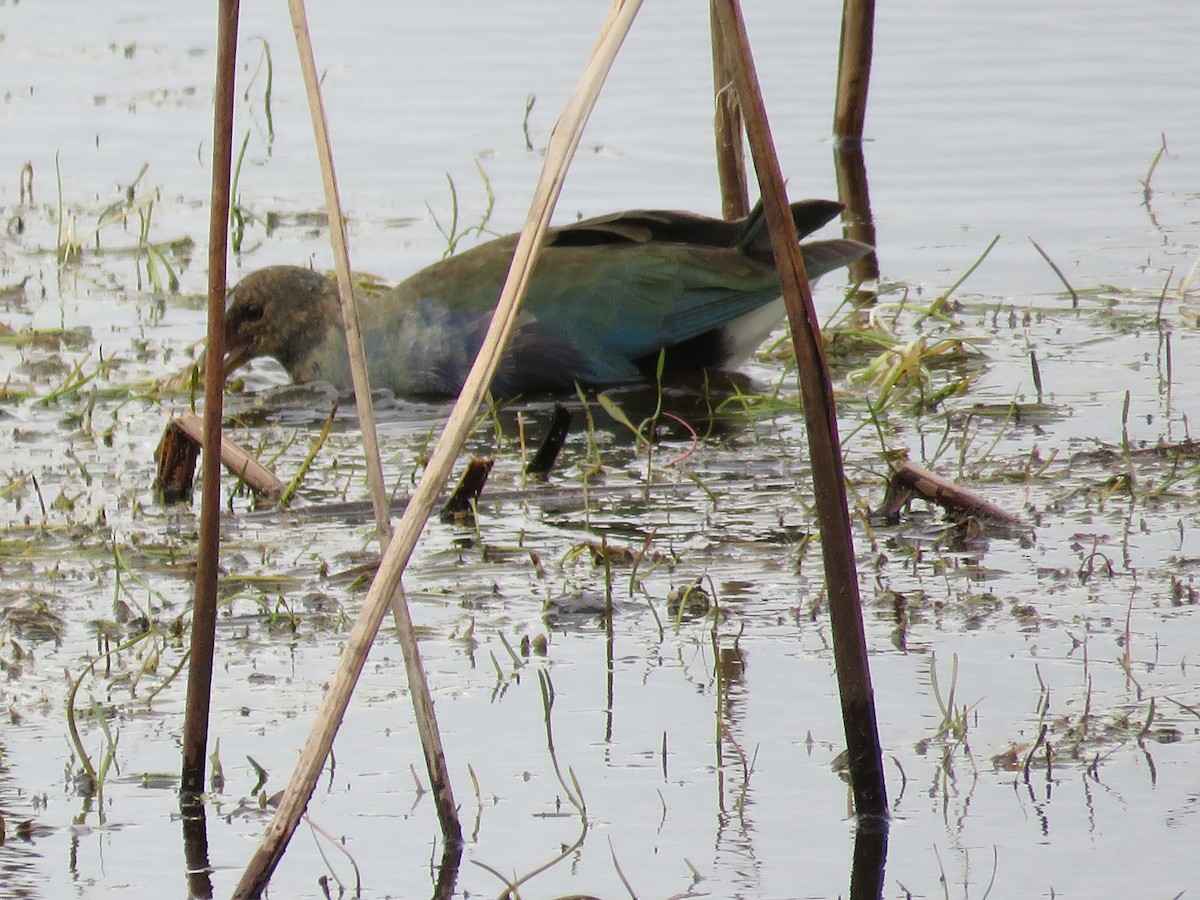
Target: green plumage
[{"x": 606, "y": 297}]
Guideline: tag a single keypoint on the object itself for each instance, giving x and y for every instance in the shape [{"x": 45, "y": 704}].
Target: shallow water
[{"x": 1023, "y": 120}]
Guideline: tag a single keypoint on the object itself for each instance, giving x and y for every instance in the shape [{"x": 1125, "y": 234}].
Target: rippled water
[{"x": 1021, "y": 119}]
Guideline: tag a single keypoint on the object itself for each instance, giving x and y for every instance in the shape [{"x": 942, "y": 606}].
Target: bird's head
[{"x": 284, "y": 312}]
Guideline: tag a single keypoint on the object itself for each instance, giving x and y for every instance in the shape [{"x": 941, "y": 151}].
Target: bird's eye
[{"x": 252, "y": 312}]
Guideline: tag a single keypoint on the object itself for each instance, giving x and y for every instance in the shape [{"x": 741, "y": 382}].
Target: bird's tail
[
  {"x": 822, "y": 257},
  {"x": 809, "y": 215}
]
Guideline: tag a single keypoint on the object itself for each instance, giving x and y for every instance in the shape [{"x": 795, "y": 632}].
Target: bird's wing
[{"x": 620, "y": 305}]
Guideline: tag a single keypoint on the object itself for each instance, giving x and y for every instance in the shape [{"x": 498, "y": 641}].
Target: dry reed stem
[
  {"x": 829, "y": 483},
  {"x": 177, "y": 455},
  {"x": 431, "y": 742},
  {"x": 849, "y": 118},
  {"x": 727, "y": 126},
  {"x": 204, "y": 610},
  {"x": 563, "y": 142},
  {"x": 854, "y": 69},
  {"x": 341, "y": 265}
]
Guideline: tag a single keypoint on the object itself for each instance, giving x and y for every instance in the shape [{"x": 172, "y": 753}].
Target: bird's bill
[{"x": 235, "y": 357}]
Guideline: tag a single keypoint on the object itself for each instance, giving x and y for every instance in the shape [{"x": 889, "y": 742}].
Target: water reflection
[
  {"x": 18, "y": 858},
  {"x": 447, "y": 873},
  {"x": 858, "y": 222},
  {"x": 195, "y": 847},
  {"x": 870, "y": 858}
]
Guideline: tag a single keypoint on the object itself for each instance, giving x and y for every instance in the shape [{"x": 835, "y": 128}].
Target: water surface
[{"x": 1023, "y": 120}]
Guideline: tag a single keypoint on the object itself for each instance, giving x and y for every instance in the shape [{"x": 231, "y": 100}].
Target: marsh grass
[
  {"x": 47, "y": 338},
  {"x": 530, "y": 102},
  {"x": 645, "y": 432},
  {"x": 895, "y": 355},
  {"x": 571, "y": 790},
  {"x": 74, "y": 239},
  {"x": 240, "y": 214},
  {"x": 454, "y": 232},
  {"x": 955, "y": 720},
  {"x": 267, "y": 68},
  {"x": 290, "y": 491}
]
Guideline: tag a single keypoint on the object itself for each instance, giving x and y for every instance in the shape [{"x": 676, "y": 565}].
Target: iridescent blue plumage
[{"x": 607, "y": 296}]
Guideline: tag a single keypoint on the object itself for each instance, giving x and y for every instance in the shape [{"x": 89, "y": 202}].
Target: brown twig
[
  {"x": 236, "y": 458},
  {"x": 341, "y": 264},
  {"x": 909, "y": 478},
  {"x": 422, "y": 699},
  {"x": 556, "y": 435},
  {"x": 461, "y": 504},
  {"x": 858, "y": 222},
  {"x": 177, "y": 456}
]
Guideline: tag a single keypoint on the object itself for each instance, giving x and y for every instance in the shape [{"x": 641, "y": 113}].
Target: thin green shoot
[
  {"x": 529, "y": 104},
  {"x": 85, "y": 761},
  {"x": 290, "y": 491},
  {"x": 452, "y": 233},
  {"x": 1147, "y": 191},
  {"x": 1058, "y": 272},
  {"x": 265, "y": 62},
  {"x": 237, "y": 213},
  {"x": 935, "y": 308}
]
